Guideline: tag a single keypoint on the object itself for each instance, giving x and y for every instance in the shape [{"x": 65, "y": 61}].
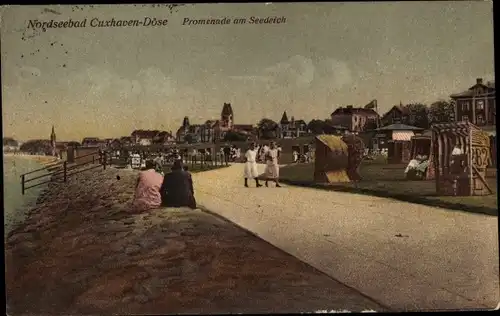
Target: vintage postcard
[{"x": 249, "y": 158}]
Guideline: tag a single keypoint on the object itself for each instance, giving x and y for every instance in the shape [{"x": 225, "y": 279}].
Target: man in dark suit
[
  {"x": 177, "y": 188},
  {"x": 227, "y": 153}
]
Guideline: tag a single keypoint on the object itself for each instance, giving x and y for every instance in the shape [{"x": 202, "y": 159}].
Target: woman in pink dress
[{"x": 147, "y": 192}]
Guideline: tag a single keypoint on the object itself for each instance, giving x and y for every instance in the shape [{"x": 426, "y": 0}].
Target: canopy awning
[{"x": 402, "y": 135}]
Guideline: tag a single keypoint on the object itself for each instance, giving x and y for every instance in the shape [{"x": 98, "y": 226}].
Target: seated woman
[
  {"x": 177, "y": 188},
  {"x": 147, "y": 191},
  {"x": 418, "y": 166}
]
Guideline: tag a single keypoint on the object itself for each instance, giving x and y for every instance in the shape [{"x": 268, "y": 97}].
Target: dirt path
[{"x": 406, "y": 256}]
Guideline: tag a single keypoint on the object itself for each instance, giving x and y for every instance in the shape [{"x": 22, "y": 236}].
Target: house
[
  {"x": 91, "y": 142},
  {"x": 355, "y": 119},
  {"x": 183, "y": 130},
  {"x": 247, "y": 129},
  {"x": 212, "y": 130},
  {"x": 115, "y": 143},
  {"x": 476, "y": 105},
  {"x": 126, "y": 140},
  {"x": 143, "y": 137},
  {"x": 398, "y": 114},
  {"x": 208, "y": 131},
  {"x": 335, "y": 129},
  {"x": 164, "y": 138},
  {"x": 150, "y": 137},
  {"x": 291, "y": 128},
  {"x": 194, "y": 132}
]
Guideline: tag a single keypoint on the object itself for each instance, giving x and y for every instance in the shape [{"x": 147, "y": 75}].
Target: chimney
[
  {"x": 479, "y": 81},
  {"x": 349, "y": 107}
]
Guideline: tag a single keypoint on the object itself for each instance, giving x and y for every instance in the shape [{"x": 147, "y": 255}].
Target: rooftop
[
  {"x": 489, "y": 89},
  {"x": 399, "y": 127},
  {"x": 352, "y": 110}
]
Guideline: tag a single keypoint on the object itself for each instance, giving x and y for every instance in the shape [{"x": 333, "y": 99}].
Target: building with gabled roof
[
  {"x": 476, "y": 104},
  {"x": 356, "y": 119},
  {"x": 212, "y": 130},
  {"x": 291, "y": 128}
]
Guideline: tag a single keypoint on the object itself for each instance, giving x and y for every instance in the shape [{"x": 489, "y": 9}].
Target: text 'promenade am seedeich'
[{"x": 151, "y": 22}]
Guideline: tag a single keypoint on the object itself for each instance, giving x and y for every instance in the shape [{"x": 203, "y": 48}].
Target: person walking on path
[
  {"x": 250, "y": 171},
  {"x": 272, "y": 166}
]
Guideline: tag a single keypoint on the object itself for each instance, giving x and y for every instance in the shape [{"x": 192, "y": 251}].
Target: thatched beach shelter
[
  {"x": 465, "y": 173},
  {"x": 356, "y": 149},
  {"x": 331, "y": 159},
  {"x": 422, "y": 144}
]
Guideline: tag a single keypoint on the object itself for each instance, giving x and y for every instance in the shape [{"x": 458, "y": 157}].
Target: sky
[{"x": 107, "y": 82}]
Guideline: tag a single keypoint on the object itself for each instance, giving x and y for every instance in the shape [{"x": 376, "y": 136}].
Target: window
[
  {"x": 480, "y": 119},
  {"x": 465, "y": 118},
  {"x": 480, "y": 105},
  {"x": 465, "y": 106}
]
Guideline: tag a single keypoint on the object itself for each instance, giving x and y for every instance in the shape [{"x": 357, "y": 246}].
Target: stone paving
[{"x": 81, "y": 252}]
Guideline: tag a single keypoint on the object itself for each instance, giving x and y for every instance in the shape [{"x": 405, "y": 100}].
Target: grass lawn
[
  {"x": 384, "y": 180},
  {"x": 196, "y": 168}
]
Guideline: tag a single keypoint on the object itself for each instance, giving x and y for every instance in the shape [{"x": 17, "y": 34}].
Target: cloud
[
  {"x": 97, "y": 82},
  {"x": 301, "y": 72},
  {"x": 335, "y": 73},
  {"x": 297, "y": 71},
  {"x": 155, "y": 82}
]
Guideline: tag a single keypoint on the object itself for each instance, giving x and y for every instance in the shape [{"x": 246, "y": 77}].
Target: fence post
[
  {"x": 65, "y": 171},
  {"x": 93, "y": 159},
  {"x": 22, "y": 183},
  {"x": 105, "y": 158}
]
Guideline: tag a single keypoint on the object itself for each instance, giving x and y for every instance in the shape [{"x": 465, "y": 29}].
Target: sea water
[{"x": 16, "y": 204}]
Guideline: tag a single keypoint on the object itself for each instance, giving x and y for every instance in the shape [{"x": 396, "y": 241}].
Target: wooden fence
[{"x": 192, "y": 161}]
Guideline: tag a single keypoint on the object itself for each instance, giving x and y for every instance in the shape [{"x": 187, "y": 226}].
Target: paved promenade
[{"x": 405, "y": 256}]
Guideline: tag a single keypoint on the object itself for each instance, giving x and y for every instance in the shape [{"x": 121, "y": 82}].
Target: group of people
[
  {"x": 153, "y": 190},
  {"x": 271, "y": 157},
  {"x": 297, "y": 157},
  {"x": 231, "y": 153},
  {"x": 417, "y": 167}
]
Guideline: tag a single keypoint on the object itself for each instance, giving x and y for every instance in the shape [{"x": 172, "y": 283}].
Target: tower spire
[
  {"x": 53, "y": 141},
  {"x": 53, "y": 134}
]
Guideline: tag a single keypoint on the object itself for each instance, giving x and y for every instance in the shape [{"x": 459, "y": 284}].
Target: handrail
[
  {"x": 104, "y": 159},
  {"x": 65, "y": 168},
  {"x": 36, "y": 170},
  {"x": 59, "y": 163}
]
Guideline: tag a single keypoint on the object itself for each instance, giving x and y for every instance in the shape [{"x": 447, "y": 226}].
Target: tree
[
  {"x": 316, "y": 126},
  {"x": 267, "y": 128},
  {"x": 9, "y": 141},
  {"x": 371, "y": 125},
  {"x": 189, "y": 138},
  {"x": 36, "y": 146},
  {"x": 232, "y": 136},
  {"x": 442, "y": 112},
  {"x": 417, "y": 115}
]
